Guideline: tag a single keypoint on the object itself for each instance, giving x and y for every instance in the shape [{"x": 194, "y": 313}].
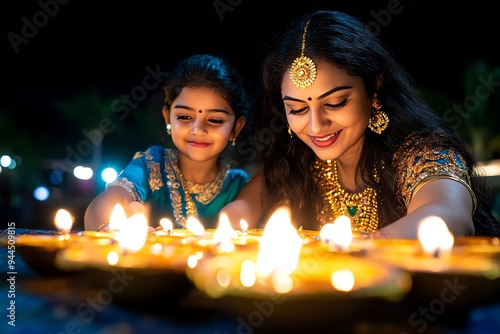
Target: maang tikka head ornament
[{"x": 303, "y": 71}]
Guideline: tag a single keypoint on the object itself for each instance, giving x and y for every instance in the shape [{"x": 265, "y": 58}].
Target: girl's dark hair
[
  {"x": 204, "y": 70},
  {"x": 344, "y": 41}
]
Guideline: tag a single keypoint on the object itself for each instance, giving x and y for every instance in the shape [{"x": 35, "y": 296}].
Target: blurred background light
[
  {"x": 56, "y": 177},
  {"x": 41, "y": 193},
  {"x": 109, "y": 174},
  {"x": 5, "y": 161},
  {"x": 83, "y": 173}
]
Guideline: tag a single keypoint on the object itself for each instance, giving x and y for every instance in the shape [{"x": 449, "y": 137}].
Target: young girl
[
  {"x": 205, "y": 108},
  {"x": 361, "y": 141}
]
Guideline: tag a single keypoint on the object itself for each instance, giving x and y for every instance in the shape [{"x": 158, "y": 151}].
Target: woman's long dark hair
[{"x": 344, "y": 41}]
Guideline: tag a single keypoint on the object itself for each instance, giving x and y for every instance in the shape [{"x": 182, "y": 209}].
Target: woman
[
  {"x": 361, "y": 141},
  {"x": 205, "y": 108}
]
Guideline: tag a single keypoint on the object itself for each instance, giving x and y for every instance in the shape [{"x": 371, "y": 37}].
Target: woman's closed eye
[
  {"x": 297, "y": 111},
  {"x": 336, "y": 106},
  {"x": 325, "y": 105}
]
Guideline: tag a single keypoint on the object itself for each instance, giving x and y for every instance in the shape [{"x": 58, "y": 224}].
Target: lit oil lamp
[
  {"x": 337, "y": 237},
  {"x": 245, "y": 237},
  {"x": 116, "y": 219},
  {"x": 222, "y": 239},
  {"x": 132, "y": 249},
  {"x": 64, "y": 222},
  {"x": 193, "y": 232},
  {"x": 281, "y": 266},
  {"x": 128, "y": 240},
  {"x": 133, "y": 233},
  {"x": 433, "y": 251},
  {"x": 155, "y": 268},
  {"x": 167, "y": 225},
  {"x": 39, "y": 250},
  {"x": 433, "y": 260}
]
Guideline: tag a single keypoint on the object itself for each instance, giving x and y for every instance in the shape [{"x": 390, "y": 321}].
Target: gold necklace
[
  {"x": 360, "y": 207},
  {"x": 204, "y": 193}
]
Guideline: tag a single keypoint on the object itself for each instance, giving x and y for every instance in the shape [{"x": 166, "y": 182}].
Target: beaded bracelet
[{"x": 106, "y": 222}]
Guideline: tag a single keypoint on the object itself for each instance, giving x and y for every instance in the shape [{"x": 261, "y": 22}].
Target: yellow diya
[
  {"x": 440, "y": 264},
  {"x": 288, "y": 282}
]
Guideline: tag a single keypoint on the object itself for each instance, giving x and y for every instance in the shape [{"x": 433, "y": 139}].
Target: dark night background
[{"x": 64, "y": 79}]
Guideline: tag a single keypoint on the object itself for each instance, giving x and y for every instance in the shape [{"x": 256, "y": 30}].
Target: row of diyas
[
  {"x": 340, "y": 264},
  {"x": 277, "y": 259}
]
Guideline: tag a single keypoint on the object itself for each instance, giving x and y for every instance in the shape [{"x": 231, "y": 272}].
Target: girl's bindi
[
  {"x": 309, "y": 98},
  {"x": 199, "y": 111}
]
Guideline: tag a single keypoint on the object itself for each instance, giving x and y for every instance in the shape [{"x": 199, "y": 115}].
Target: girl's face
[
  {"x": 331, "y": 115},
  {"x": 202, "y": 123}
]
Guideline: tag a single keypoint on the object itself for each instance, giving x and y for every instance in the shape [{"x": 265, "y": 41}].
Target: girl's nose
[{"x": 199, "y": 127}]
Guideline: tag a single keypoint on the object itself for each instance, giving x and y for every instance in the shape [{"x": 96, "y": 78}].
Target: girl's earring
[
  {"x": 233, "y": 141},
  {"x": 169, "y": 129},
  {"x": 290, "y": 132},
  {"x": 379, "y": 120}
]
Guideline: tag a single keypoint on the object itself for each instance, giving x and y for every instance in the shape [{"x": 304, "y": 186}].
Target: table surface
[{"x": 70, "y": 304}]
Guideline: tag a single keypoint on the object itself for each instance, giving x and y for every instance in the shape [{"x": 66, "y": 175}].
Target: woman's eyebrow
[{"x": 331, "y": 91}]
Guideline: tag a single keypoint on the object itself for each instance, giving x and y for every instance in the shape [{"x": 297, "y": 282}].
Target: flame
[
  {"x": 194, "y": 226},
  {"x": 279, "y": 247},
  {"x": 63, "y": 220},
  {"x": 133, "y": 233},
  {"x": 435, "y": 237},
  {"x": 166, "y": 224},
  {"x": 338, "y": 234},
  {"x": 326, "y": 233},
  {"x": 224, "y": 233},
  {"x": 117, "y": 218},
  {"x": 244, "y": 225}
]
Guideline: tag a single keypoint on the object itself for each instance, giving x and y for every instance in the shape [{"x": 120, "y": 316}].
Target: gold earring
[
  {"x": 378, "y": 119},
  {"x": 169, "y": 129},
  {"x": 290, "y": 132}
]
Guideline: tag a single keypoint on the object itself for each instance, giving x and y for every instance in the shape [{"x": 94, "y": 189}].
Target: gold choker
[{"x": 360, "y": 207}]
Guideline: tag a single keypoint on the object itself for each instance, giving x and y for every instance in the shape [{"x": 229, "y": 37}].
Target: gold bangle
[
  {"x": 450, "y": 177},
  {"x": 106, "y": 222}
]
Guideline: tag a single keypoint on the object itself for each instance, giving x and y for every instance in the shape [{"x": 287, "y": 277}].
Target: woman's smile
[{"x": 326, "y": 141}]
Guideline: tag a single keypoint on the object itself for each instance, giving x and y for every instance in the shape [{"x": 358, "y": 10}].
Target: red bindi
[
  {"x": 309, "y": 99},
  {"x": 199, "y": 111}
]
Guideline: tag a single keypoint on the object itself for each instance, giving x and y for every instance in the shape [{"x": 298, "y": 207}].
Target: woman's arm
[{"x": 444, "y": 197}]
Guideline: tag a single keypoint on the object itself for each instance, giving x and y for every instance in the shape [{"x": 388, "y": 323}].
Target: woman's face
[
  {"x": 331, "y": 115},
  {"x": 202, "y": 123}
]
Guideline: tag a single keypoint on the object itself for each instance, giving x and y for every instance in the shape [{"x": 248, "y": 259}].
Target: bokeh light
[
  {"x": 41, "y": 193},
  {"x": 109, "y": 174}
]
